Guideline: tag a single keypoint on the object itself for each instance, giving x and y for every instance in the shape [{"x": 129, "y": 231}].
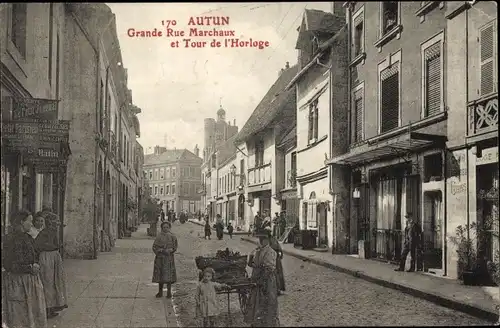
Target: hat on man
[{"x": 409, "y": 215}]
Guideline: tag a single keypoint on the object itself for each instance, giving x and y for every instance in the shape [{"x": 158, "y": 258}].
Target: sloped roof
[
  {"x": 170, "y": 156},
  {"x": 273, "y": 103},
  {"x": 226, "y": 150},
  {"x": 317, "y": 21},
  {"x": 291, "y": 135}
]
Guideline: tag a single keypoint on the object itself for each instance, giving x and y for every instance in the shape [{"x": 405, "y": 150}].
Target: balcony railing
[
  {"x": 388, "y": 244},
  {"x": 260, "y": 174},
  {"x": 483, "y": 115}
]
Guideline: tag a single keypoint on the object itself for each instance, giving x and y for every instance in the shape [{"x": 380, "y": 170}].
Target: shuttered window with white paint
[
  {"x": 389, "y": 119},
  {"x": 432, "y": 79},
  {"x": 357, "y": 115},
  {"x": 487, "y": 37}
]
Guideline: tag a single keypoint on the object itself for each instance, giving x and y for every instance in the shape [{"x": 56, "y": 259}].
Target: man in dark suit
[{"x": 412, "y": 236}]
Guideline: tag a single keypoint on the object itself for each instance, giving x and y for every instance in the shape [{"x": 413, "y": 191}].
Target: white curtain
[{"x": 386, "y": 204}]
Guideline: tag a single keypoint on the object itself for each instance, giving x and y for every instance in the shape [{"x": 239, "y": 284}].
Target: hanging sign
[{"x": 34, "y": 108}]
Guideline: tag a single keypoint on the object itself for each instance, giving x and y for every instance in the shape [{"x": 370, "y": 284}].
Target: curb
[
  {"x": 473, "y": 310},
  {"x": 235, "y": 233}
]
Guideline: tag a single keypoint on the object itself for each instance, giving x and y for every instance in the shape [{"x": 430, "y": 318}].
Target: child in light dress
[{"x": 207, "y": 306}]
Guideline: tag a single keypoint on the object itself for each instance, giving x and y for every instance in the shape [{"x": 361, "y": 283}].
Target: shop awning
[{"x": 393, "y": 147}]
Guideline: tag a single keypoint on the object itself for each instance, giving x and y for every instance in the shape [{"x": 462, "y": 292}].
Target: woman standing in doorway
[
  {"x": 164, "y": 247},
  {"x": 51, "y": 266},
  {"x": 24, "y": 290}
]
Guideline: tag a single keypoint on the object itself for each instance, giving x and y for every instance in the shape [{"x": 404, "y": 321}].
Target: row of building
[
  {"x": 69, "y": 126},
  {"x": 392, "y": 108}
]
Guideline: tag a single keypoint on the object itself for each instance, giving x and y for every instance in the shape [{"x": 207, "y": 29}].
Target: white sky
[{"x": 177, "y": 88}]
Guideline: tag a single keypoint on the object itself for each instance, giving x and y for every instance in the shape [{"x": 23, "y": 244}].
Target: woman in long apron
[
  {"x": 164, "y": 247},
  {"x": 51, "y": 266},
  {"x": 24, "y": 289},
  {"x": 263, "y": 303}
]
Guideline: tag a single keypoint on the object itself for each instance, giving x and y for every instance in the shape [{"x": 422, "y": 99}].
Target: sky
[{"x": 177, "y": 88}]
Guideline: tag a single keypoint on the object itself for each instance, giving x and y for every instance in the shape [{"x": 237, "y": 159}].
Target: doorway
[
  {"x": 323, "y": 226},
  {"x": 432, "y": 231}
]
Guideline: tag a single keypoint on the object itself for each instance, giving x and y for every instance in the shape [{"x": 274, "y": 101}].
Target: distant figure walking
[
  {"x": 219, "y": 227},
  {"x": 164, "y": 247},
  {"x": 162, "y": 216},
  {"x": 208, "y": 230},
  {"x": 230, "y": 230}
]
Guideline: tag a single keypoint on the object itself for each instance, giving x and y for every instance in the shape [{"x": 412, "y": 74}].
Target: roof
[
  {"x": 317, "y": 21},
  {"x": 170, "y": 156},
  {"x": 226, "y": 150},
  {"x": 271, "y": 106},
  {"x": 288, "y": 137}
]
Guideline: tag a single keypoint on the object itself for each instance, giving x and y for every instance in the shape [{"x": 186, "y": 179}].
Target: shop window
[
  {"x": 488, "y": 58},
  {"x": 433, "y": 167},
  {"x": 18, "y": 27},
  {"x": 389, "y": 97},
  {"x": 313, "y": 122}
]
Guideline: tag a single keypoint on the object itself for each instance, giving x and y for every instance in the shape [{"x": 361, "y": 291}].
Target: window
[
  {"x": 167, "y": 189},
  {"x": 242, "y": 167},
  {"x": 389, "y": 72},
  {"x": 156, "y": 174},
  {"x": 151, "y": 190},
  {"x": 358, "y": 33},
  {"x": 390, "y": 16},
  {"x": 173, "y": 189},
  {"x": 162, "y": 175},
  {"x": 150, "y": 174},
  {"x": 18, "y": 27},
  {"x": 145, "y": 174},
  {"x": 51, "y": 41},
  {"x": 192, "y": 172},
  {"x": 156, "y": 190},
  {"x": 488, "y": 58},
  {"x": 313, "y": 121},
  {"x": 185, "y": 188},
  {"x": 432, "y": 76},
  {"x": 173, "y": 172},
  {"x": 259, "y": 153},
  {"x": 161, "y": 190},
  {"x": 357, "y": 112}
]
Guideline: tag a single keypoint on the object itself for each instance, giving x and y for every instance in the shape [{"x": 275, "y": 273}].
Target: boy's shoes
[{"x": 158, "y": 295}]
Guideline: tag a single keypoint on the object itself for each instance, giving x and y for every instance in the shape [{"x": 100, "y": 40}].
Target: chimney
[
  {"x": 287, "y": 65},
  {"x": 196, "y": 151},
  {"x": 156, "y": 150}
]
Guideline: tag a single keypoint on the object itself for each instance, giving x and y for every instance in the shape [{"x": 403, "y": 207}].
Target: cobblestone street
[{"x": 316, "y": 296}]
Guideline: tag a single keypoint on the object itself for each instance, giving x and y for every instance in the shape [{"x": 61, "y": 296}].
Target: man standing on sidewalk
[{"x": 411, "y": 243}]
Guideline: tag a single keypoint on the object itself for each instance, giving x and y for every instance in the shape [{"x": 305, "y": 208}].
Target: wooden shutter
[
  {"x": 357, "y": 116},
  {"x": 487, "y": 53},
  {"x": 432, "y": 57},
  {"x": 390, "y": 98}
]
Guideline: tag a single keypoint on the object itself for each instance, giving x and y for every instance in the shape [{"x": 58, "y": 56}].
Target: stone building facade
[
  {"x": 174, "y": 177},
  {"x": 90, "y": 92}
]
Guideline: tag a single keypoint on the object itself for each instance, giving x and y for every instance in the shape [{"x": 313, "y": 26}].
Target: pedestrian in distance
[
  {"x": 219, "y": 227},
  {"x": 412, "y": 236},
  {"x": 266, "y": 222},
  {"x": 208, "y": 230},
  {"x": 47, "y": 243},
  {"x": 164, "y": 247},
  {"x": 207, "y": 306},
  {"x": 25, "y": 297},
  {"x": 162, "y": 216},
  {"x": 230, "y": 230}
]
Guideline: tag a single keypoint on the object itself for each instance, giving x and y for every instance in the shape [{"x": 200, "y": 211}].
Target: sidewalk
[
  {"x": 476, "y": 301},
  {"x": 235, "y": 233},
  {"x": 115, "y": 290}
]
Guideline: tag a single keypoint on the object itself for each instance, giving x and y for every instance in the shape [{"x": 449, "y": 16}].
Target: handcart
[{"x": 232, "y": 272}]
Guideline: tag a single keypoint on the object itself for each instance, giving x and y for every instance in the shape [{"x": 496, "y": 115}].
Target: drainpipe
[{"x": 466, "y": 121}]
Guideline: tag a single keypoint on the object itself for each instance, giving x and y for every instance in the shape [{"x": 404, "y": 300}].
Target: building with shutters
[
  {"x": 397, "y": 127},
  {"x": 321, "y": 86},
  {"x": 174, "y": 177},
  {"x": 472, "y": 100}
]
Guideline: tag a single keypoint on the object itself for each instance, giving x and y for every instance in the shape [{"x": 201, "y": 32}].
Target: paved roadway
[{"x": 316, "y": 296}]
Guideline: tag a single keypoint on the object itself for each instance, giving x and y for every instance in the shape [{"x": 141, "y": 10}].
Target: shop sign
[
  {"x": 488, "y": 156},
  {"x": 34, "y": 108},
  {"x": 30, "y": 136}
]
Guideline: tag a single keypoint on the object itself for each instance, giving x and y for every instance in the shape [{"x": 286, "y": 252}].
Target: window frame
[
  {"x": 162, "y": 174},
  {"x": 440, "y": 37},
  {"x": 382, "y": 19},
  {"x": 492, "y": 23},
  {"x": 313, "y": 118},
  {"x": 12, "y": 49},
  {"x": 392, "y": 59},
  {"x": 358, "y": 87},
  {"x": 172, "y": 189},
  {"x": 359, "y": 12}
]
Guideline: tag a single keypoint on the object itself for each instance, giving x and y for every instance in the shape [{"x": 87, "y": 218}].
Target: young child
[
  {"x": 230, "y": 230},
  {"x": 207, "y": 306}
]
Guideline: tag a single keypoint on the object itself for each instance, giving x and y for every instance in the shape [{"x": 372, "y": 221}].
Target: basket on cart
[{"x": 231, "y": 271}]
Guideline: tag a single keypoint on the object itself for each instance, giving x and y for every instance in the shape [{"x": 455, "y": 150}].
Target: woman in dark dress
[
  {"x": 51, "y": 266},
  {"x": 26, "y": 307},
  {"x": 219, "y": 228},
  {"x": 164, "y": 247},
  {"x": 280, "y": 277},
  {"x": 208, "y": 230}
]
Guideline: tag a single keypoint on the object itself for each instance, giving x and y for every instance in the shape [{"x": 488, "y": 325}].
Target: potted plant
[{"x": 465, "y": 240}]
